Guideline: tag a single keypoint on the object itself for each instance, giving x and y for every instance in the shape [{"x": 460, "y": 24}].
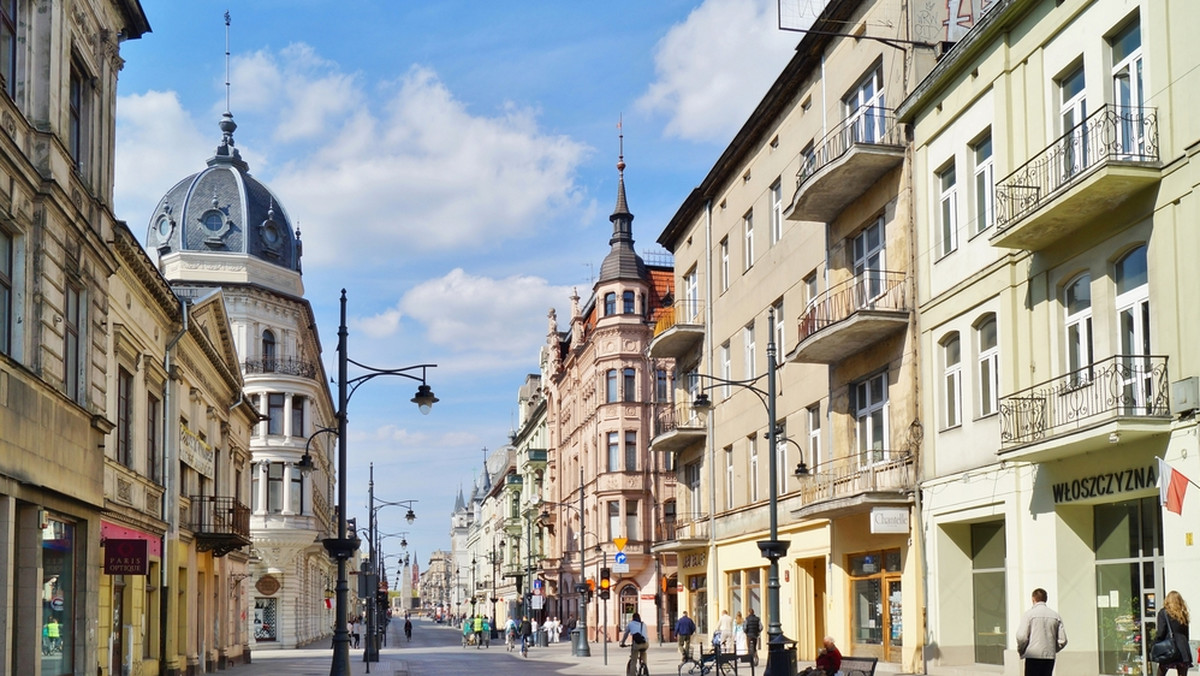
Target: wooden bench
[{"x": 858, "y": 666}]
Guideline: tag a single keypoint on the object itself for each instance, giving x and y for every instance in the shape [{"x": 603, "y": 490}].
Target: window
[
  {"x": 814, "y": 436},
  {"x": 948, "y": 217},
  {"x": 296, "y": 495},
  {"x": 781, "y": 457},
  {"x": 631, "y": 451},
  {"x": 72, "y": 321},
  {"x": 870, "y": 413},
  {"x": 808, "y": 160},
  {"x": 153, "y": 452},
  {"x": 748, "y": 231},
  {"x": 59, "y": 571},
  {"x": 631, "y": 519},
  {"x": 724, "y": 263},
  {"x": 810, "y": 288},
  {"x": 614, "y": 452},
  {"x": 124, "y": 417},
  {"x": 780, "y": 332},
  {"x": 985, "y": 184},
  {"x": 1078, "y": 303},
  {"x": 7, "y": 245},
  {"x": 1127, "y": 88},
  {"x": 864, "y": 110},
  {"x": 988, "y": 587},
  {"x": 269, "y": 355},
  {"x": 691, "y": 295},
  {"x": 691, "y": 474},
  {"x": 728, "y": 477},
  {"x": 1072, "y": 114},
  {"x": 726, "y": 368},
  {"x": 870, "y": 260},
  {"x": 629, "y": 386},
  {"x": 610, "y": 304},
  {"x": 627, "y": 303},
  {"x": 748, "y": 340},
  {"x": 951, "y": 381},
  {"x": 614, "y": 519},
  {"x": 275, "y": 487},
  {"x": 275, "y": 403},
  {"x": 753, "y": 450},
  {"x": 8, "y": 46},
  {"x": 76, "y": 122},
  {"x": 298, "y": 416},
  {"x": 776, "y": 211},
  {"x": 1133, "y": 323},
  {"x": 610, "y": 386},
  {"x": 989, "y": 365},
  {"x": 662, "y": 386}
]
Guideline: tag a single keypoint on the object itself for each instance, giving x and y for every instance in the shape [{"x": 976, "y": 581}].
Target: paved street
[{"x": 436, "y": 650}]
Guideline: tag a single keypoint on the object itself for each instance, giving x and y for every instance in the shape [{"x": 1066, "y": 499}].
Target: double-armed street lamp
[
  {"x": 772, "y": 548},
  {"x": 579, "y": 644},
  {"x": 342, "y": 547},
  {"x": 371, "y": 654},
  {"x": 494, "y": 560}
]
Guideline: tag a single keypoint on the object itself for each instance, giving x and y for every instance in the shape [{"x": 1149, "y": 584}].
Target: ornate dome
[{"x": 224, "y": 210}]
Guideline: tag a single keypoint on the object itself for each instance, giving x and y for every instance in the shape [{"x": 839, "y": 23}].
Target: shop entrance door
[
  {"x": 876, "y": 605},
  {"x": 1128, "y": 544}
]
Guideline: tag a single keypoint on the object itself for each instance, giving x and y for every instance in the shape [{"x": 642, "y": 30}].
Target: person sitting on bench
[{"x": 829, "y": 660}]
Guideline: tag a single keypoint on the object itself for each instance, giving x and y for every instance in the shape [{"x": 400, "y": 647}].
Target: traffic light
[
  {"x": 591, "y": 588},
  {"x": 605, "y": 583}
]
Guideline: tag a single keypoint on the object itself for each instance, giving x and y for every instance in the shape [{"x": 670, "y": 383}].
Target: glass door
[{"x": 1128, "y": 537}]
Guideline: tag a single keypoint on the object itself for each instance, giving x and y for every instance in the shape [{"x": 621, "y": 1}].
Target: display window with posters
[{"x": 58, "y": 596}]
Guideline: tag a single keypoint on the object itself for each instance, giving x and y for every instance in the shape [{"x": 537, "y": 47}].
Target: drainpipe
[
  {"x": 713, "y": 567},
  {"x": 170, "y": 499}
]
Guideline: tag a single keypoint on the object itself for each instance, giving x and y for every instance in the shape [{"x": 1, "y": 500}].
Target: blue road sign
[{"x": 620, "y": 558}]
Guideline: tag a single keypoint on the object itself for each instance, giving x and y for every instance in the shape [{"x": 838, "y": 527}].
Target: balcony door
[
  {"x": 870, "y": 259},
  {"x": 1072, "y": 115},
  {"x": 1133, "y": 322},
  {"x": 864, "y": 110},
  {"x": 1127, "y": 90}
]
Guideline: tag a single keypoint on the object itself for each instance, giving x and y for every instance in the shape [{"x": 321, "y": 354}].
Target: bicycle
[
  {"x": 636, "y": 666},
  {"x": 714, "y": 662}
]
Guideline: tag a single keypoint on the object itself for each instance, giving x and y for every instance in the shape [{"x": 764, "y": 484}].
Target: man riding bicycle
[{"x": 636, "y": 631}]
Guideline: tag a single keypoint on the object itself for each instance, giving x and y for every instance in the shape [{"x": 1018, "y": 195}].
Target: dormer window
[{"x": 213, "y": 221}]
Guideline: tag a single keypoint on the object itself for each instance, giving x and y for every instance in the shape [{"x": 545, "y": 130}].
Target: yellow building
[{"x": 1054, "y": 172}]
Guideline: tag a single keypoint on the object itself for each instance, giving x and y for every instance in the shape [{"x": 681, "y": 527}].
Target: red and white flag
[
  {"x": 1172, "y": 485},
  {"x": 328, "y": 603}
]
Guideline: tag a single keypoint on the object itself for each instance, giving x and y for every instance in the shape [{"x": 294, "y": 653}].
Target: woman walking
[{"x": 1173, "y": 621}]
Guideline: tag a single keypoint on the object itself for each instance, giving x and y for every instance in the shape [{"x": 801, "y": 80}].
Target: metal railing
[
  {"x": 680, "y": 312},
  {"x": 288, "y": 366},
  {"x": 1128, "y": 386},
  {"x": 670, "y": 417},
  {"x": 869, "y": 290},
  {"x": 871, "y": 125},
  {"x": 1111, "y": 133},
  {"x": 870, "y": 471},
  {"x": 673, "y": 525},
  {"x": 213, "y": 515}
]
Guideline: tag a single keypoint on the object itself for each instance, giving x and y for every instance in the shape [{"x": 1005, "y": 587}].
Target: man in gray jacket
[{"x": 1040, "y": 637}]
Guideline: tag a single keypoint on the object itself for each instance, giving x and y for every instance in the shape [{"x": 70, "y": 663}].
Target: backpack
[{"x": 638, "y": 638}]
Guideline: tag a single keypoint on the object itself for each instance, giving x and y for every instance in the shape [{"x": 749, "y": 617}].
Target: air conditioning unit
[{"x": 1185, "y": 396}]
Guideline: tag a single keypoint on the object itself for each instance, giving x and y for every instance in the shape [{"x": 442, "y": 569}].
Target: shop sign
[
  {"x": 195, "y": 452},
  {"x": 1107, "y": 483},
  {"x": 695, "y": 560},
  {"x": 125, "y": 557},
  {"x": 889, "y": 520}
]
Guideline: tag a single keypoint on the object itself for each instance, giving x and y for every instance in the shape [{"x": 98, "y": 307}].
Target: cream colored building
[
  {"x": 1054, "y": 172},
  {"x": 806, "y": 219}
]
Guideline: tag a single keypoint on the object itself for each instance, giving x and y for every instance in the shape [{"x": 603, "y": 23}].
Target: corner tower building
[{"x": 222, "y": 228}]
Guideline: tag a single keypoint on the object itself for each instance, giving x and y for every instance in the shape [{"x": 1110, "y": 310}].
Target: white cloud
[
  {"x": 158, "y": 144},
  {"x": 381, "y": 325},
  {"x": 301, "y": 94},
  {"x": 714, "y": 68},
  {"x": 495, "y": 323}
]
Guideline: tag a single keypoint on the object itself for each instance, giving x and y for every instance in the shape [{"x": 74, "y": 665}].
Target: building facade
[
  {"x": 222, "y": 229},
  {"x": 1061, "y": 364},
  {"x": 58, "y": 83}
]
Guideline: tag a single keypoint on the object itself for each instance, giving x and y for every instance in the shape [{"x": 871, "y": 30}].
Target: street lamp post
[
  {"x": 371, "y": 654},
  {"x": 579, "y": 648},
  {"x": 772, "y": 548},
  {"x": 342, "y": 547}
]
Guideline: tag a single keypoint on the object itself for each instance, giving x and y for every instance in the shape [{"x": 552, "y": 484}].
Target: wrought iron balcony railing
[
  {"x": 1123, "y": 386},
  {"x": 288, "y": 366},
  {"x": 682, "y": 524},
  {"x": 680, "y": 415},
  {"x": 1112, "y": 133},
  {"x": 871, "y": 125},
  {"x": 221, "y": 524},
  {"x": 872, "y": 471},
  {"x": 869, "y": 290}
]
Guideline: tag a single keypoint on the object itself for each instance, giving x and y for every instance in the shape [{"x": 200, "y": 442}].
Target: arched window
[
  {"x": 988, "y": 375},
  {"x": 1133, "y": 302},
  {"x": 952, "y": 381},
  {"x": 627, "y": 303},
  {"x": 268, "y": 350},
  {"x": 1077, "y": 303},
  {"x": 610, "y": 304}
]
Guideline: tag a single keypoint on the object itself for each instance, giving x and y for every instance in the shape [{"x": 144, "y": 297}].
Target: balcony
[
  {"x": 852, "y": 316},
  {"x": 288, "y": 366},
  {"x": 686, "y": 531},
  {"x": 1120, "y": 399},
  {"x": 677, "y": 427},
  {"x": 856, "y": 484},
  {"x": 534, "y": 458},
  {"x": 679, "y": 330},
  {"x": 221, "y": 524},
  {"x": 1079, "y": 178},
  {"x": 846, "y": 163}
]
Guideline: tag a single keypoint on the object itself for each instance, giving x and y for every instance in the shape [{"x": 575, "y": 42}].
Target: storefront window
[
  {"x": 1128, "y": 538},
  {"x": 735, "y": 592},
  {"x": 264, "y": 619},
  {"x": 58, "y": 597},
  {"x": 698, "y": 600},
  {"x": 876, "y": 603},
  {"x": 988, "y": 590}
]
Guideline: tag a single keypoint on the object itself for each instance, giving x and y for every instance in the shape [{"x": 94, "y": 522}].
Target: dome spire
[{"x": 622, "y": 262}]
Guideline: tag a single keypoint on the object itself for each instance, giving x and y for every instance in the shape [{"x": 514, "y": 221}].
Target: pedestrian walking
[
  {"x": 725, "y": 631},
  {"x": 526, "y": 635},
  {"x": 753, "y": 629},
  {"x": 1172, "y": 622},
  {"x": 685, "y": 628},
  {"x": 1040, "y": 637}
]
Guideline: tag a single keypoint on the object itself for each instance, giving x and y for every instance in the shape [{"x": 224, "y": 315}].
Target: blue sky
[{"x": 451, "y": 164}]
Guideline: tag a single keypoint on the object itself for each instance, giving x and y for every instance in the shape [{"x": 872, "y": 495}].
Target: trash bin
[
  {"x": 576, "y": 637},
  {"x": 543, "y": 638},
  {"x": 787, "y": 655},
  {"x": 495, "y": 634}
]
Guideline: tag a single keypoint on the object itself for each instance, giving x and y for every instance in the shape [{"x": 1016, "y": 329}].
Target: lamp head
[
  {"x": 801, "y": 470},
  {"x": 424, "y": 399},
  {"x": 702, "y": 404},
  {"x": 305, "y": 464},
  {"x": 411, "y": 516}
]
